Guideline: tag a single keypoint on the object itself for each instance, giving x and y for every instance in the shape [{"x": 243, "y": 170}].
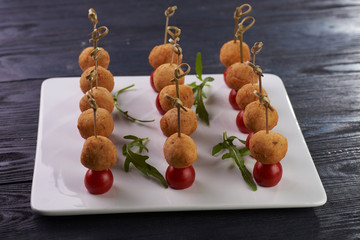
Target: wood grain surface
[{"x": 312, "y": 45}]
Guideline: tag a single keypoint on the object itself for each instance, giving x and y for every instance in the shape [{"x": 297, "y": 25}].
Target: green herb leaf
[
  {"x": 237, "y": 155},
  {"x": 138, "y": 160},
  {"x": 125, "y": 113},
  {"x": 217, "y": 148},
  {"x": 199, "y": 95},
  {"x": 198, "y": 66}
]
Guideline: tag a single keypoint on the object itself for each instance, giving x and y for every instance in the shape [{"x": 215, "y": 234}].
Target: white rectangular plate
[{"x": 58, "y": 183}]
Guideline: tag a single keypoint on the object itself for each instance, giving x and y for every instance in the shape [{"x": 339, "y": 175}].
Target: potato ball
[
  {"x": 268, "y": 148},
  {"x": 246, "y": 95},
  {"x": 98, "y": 153},
  {"x": 103, "y": 99},
  {"x": 239, "y": 74},
  {"x": 180, "y": 152},
  {"x": 169, "y": 122},
  {"x": 186, "y": 96},
  {"x": 230, "y": 53},
  {"x": 85, "y": 61},
  {"x": 105, "y": 79},
  {"x": 162, "y": 54},
  {"x": 255, "y": 117},
  {"x": 164, "y": 74},
  {"x": 104, "y": 123}
]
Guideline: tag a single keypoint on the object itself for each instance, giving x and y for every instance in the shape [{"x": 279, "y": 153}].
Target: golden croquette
[
  {"x": 255, "y": 117},
  {"x": 162, "y": 54},
  {"x": 230, "y": 53},
  {"x": 246, "y": 95},
  {"x": 85, "y": 61},
  {"x": 180, "y": 152},
  {"x": 103, "y": 99},
  {"x": 164, "y": 74},
  {"x": 105, "y": 79},
  {"x": 98, "y": 153},
  {"x": 169, "y": 122},
  {"x": 104, "y": 123},
  {"x": 268, "y": 148},
  {"x": 239, "y": 74},
  {"x": 186, "y": 96}
]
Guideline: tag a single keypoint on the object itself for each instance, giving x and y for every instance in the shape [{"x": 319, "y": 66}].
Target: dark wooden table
[{"x": 312, "y": 45}]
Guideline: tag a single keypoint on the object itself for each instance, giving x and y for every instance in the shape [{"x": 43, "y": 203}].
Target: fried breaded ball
[
  {"x": 105, "y": 79},
  {"x": 246, "y": 95},
  {"x": 239, "y": 74},
  {"x": 268, "y": 148},
  {"x": 255, "y": 117},
  {"x": 186, "y": 96},
  {"x": 169, "y": 122},
  {"x": 164, "y": 74},
  {"x": 162, "y": 54},
  {"x": 85, "y": 61},
  {"x": 104, "y": 123},
  {"x": 180, "y": 152},
  {"x": 103, "y": 99},
  {"x": 98, "y": 153},
  {"x": 230, "y": 53}
]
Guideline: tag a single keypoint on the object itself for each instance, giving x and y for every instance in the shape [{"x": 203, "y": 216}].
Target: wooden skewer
[{"x": 170, "y": 11}]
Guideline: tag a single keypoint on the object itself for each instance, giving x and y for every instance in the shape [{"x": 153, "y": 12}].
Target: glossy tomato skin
[
  {"x": 225, "y": 76},
  {"x": 98, "y": 182},
  {"x": 247, "y": 143},
  {"x": 267, "y": 175},
  {"x": 158, "y": 106},
  {"x": 180, "y": 178},
  {"x": 152, "y": 80},
  {"x": 232, "y": 99},
  {"x": 240, "y": 122}
]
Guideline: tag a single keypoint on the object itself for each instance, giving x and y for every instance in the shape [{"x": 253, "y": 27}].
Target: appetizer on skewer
[
  {"x": 246, "y": 94},
  {"x": 104, "y": 78},
  {"x": 103, "y": 98},
  {"x": 163, "y": 75},
  {"x": 169, "y": 122},
  {"x": 254, "y": 114},
  {"x": 228, "y": 52},
  {"x": 186, "y": 97},
  {"x": 163, "y": 53},
  {"x": 268, "y": 148},
  {"x": 240, "y": 73},
  {"x": 95, "y": 123},
  {"x": 104, "y": 123},
  {"x": 98, "y": 154},
  {"x": 254, "y": 117},
  {"x": 179, "y": 149},
  {"x": 96, "y": 79},
  {"x": 85, "y": 60}
]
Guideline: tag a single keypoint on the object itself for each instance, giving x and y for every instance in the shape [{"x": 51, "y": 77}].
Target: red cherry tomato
[
  {"x": 232, "y": 99},
  {"x": 158, "y": 106},
  {"x": 240, "y": 122},
  {"x": 180, "y": 178},
  {"x": 225, "y": 76},
  {"x": 267, "y": 175},
  {"x": 98, "y": 182},
  {"x": 152, "y": 81},
  {"x": 247, "y": 143}
]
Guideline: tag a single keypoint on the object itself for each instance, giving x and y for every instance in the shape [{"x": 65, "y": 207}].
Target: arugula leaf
[
  {"x": 198, "y": 91},
  {"x": 237, "y": 155},
  {"x": 198, "y": 66},
  {"x": 138, "y": 160},
  {"x": 125, "y": 113}
]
